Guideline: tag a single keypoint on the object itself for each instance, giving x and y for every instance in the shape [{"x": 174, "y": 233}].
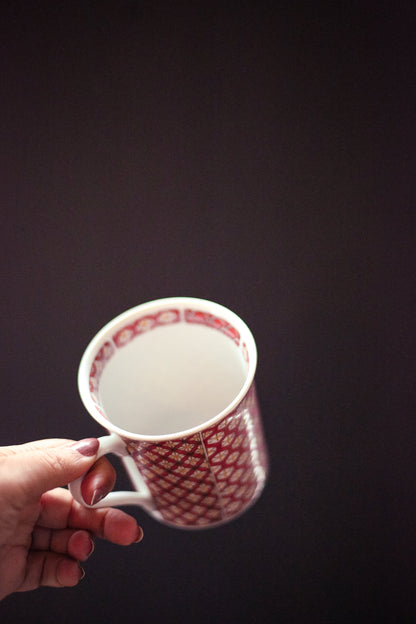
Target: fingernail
[
  {"x": 139, "y": 535},
  {"x": 91, "y": 548},
  {"x": 87, "y": 447},
  {"x": 81, "y": 573},
  {"x": 98, "y": 495}
]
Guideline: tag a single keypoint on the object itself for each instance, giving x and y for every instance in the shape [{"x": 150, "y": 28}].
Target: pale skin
[{"x": 44, "y": 534}]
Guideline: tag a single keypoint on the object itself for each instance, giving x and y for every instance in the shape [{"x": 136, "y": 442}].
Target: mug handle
[{"x": 141, "y": 496}]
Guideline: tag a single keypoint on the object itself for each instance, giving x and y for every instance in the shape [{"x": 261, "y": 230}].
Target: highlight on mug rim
[{"x": 127, "y": 325}]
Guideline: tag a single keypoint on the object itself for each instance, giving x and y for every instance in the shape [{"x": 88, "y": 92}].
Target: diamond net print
[{"x": 211, "y": 476}]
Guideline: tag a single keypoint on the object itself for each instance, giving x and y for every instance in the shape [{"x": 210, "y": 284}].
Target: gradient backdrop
[{"x": 261, "y": 155}]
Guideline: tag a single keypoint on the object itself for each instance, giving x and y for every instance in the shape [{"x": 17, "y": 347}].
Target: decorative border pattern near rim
[{"x": 149, "y": 322}]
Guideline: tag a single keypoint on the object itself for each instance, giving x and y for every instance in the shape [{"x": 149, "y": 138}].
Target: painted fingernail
[
  {"x": 87, "y": 447},
  {"x": 139, "y": 535},
  {"x": 98, "y": 495}
]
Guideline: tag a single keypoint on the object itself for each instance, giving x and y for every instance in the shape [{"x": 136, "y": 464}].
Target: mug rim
[{"x": 102, "y": 336}]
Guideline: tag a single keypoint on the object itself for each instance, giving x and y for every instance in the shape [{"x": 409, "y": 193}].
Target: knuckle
[{"x": 54, "y": 462}]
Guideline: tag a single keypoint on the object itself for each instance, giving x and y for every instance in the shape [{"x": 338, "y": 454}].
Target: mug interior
[{"x": 167, "y": 368}]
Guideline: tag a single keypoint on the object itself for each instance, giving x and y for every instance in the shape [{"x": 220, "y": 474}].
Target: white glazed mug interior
[{"x": 167, "y": 369}]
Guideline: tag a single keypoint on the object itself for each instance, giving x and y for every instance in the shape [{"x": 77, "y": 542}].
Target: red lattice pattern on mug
[{"x": 208, "y": 477}]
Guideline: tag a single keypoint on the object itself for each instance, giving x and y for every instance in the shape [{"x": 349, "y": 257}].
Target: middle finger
[{"x": 78, "y": 544}]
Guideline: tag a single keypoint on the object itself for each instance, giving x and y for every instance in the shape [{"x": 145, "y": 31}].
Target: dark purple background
[{"x": 262, "y": 157}]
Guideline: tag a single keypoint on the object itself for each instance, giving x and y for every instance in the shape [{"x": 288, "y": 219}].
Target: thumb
[{"x": 41, "y": 467}]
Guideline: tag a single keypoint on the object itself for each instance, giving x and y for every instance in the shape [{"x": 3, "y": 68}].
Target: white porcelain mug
[{"x": 172, "y": 381}]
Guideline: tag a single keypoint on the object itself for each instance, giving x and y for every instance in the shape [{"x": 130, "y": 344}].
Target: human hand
[{"x": 44, "y": 533}]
